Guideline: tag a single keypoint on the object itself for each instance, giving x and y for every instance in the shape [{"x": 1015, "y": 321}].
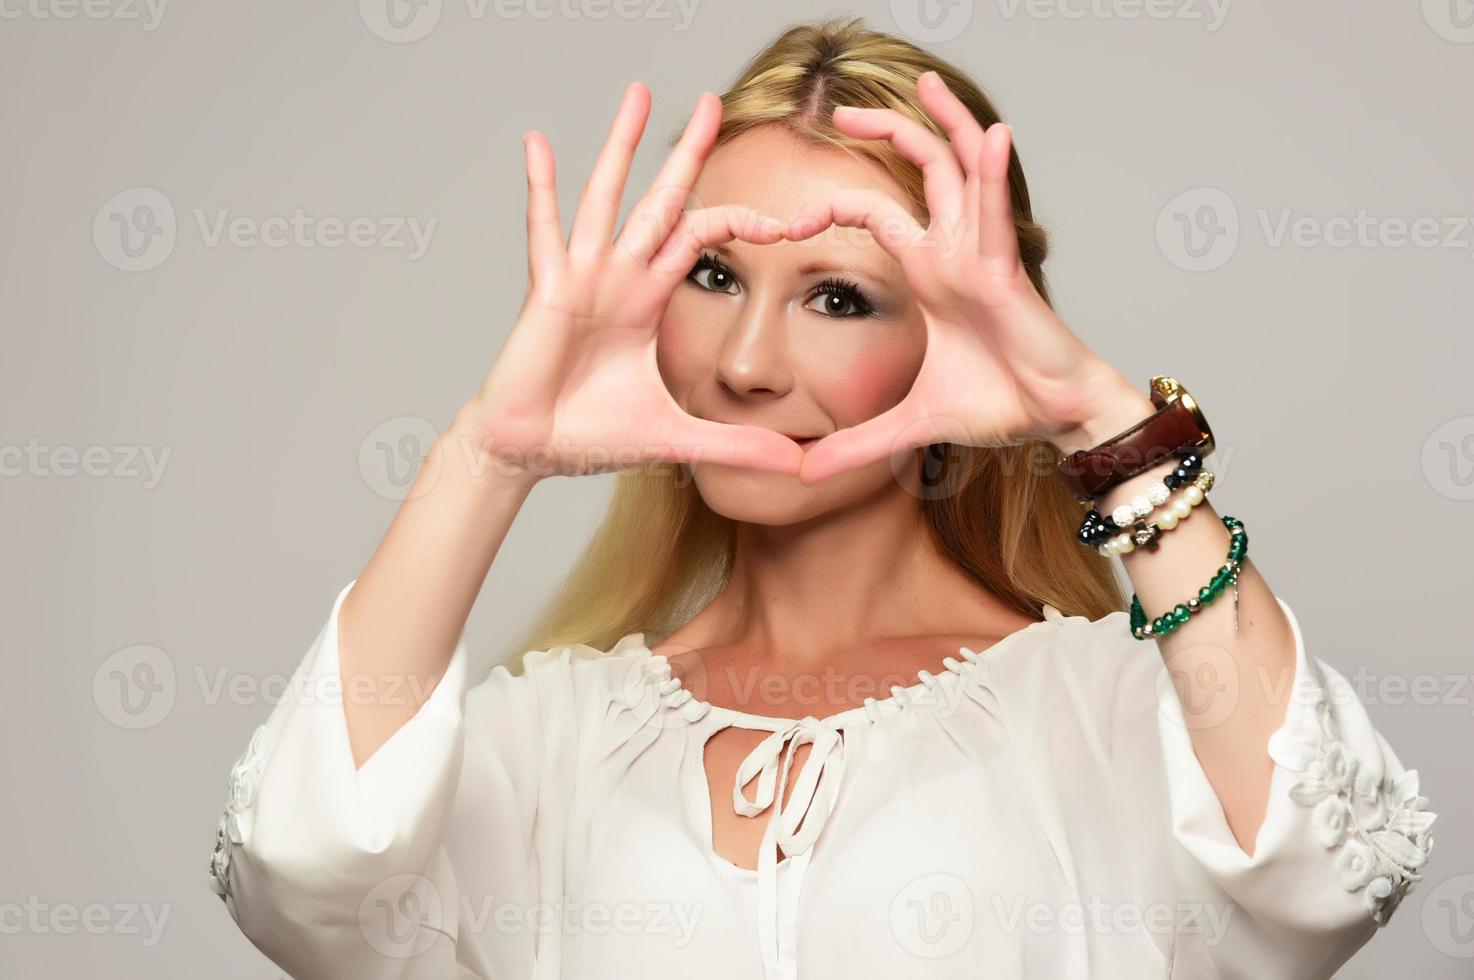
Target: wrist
[
  {"x": 1125, "y": 491},
  {"x": 1117, "y": 412},
  {"x": 467, "y": 444}
]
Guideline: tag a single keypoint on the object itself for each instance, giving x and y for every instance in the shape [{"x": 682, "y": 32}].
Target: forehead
[{"x": 770, "y": 169}]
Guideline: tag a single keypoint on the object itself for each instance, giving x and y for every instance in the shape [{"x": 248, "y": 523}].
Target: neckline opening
[{"x": 750, "y": 719}]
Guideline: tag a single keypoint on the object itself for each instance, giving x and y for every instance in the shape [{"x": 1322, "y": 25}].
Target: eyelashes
[
  {"x": 837, "y": 291},
  {"x": 714, "y": 264},
  {"x": 846, "y": 292}
]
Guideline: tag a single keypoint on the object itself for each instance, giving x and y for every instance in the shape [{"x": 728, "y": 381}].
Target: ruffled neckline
[{"x": 972, "y": 668}]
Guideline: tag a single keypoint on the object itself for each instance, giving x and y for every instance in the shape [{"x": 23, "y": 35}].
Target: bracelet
[
  {"x": 1177, "y": 424},
  {"x": 1144, "y": 535},
  {"x": 1094, "y": 529},
  {"x": 1238, "y": 550}
]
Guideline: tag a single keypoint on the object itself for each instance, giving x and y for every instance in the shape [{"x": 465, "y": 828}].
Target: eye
[
  {"x": 719, "y": 277},
  {"x": 840, "y": 295}
]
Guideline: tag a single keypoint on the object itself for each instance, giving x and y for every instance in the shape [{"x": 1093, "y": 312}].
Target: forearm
[
  {"x": 1231, "y": 683},
  {"x": 400, "y": 624}
]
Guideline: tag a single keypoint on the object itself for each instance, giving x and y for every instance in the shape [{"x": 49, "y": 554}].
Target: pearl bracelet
[
  {"x": 1094, "y": 529},
  {"x": 1144, "y": 534}
]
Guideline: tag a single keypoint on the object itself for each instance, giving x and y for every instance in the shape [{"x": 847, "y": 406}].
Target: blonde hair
[{"x": 1002, "y": 514}]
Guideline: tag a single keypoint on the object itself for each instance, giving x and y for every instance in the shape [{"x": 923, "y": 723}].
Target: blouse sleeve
[
  {"x": 337, "y": 871},
  {"x": 1344, "y": 834}
]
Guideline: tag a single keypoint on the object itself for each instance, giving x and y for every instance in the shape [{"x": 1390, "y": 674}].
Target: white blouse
[{"x": 1035, "y": 810}]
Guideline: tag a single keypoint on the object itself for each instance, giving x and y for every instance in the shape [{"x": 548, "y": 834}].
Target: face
[{"x": 804, "y": 338}]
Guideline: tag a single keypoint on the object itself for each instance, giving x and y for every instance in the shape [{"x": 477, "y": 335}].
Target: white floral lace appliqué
[
  {"x": 240, "y": 794},
  {"x": 1380, "y": 825}
]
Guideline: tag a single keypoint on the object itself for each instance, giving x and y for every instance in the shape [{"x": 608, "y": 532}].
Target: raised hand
[
  {"x": 576, "y": 388},
  {"x": 1000, "y": 367}
]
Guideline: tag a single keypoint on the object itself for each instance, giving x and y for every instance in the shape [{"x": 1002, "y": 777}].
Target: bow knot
[{"x": 813, "y": 792}]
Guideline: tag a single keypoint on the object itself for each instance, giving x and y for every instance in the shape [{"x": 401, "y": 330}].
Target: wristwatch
[{"x": 1177, "y": 425}]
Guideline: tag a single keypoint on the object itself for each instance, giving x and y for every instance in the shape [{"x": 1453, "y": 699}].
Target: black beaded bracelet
[{"x": 1095, "y": 529}]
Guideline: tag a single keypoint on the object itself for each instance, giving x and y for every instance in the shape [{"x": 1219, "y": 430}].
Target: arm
[
  {"x": 403, "y": 617},
  {"x": 1229, "y": 739},
  {"x": 1291, "y": 809},
  {"x": 329, "y": 854},
  {"x": 587, "y": 328}
]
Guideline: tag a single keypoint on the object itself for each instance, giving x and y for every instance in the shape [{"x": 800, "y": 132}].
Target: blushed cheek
[{"x": 867, "y": 382}]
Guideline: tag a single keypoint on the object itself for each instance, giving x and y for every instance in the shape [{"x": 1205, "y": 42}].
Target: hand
[
  {"x": 576, "y": 389},
  {"x": 1000, "y": 367}
]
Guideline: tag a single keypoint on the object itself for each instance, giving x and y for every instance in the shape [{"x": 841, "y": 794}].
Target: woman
[{"x": 847, "y": 390}]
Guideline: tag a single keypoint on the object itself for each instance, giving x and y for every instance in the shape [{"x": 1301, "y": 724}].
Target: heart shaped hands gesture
[
  {"x": 1000, "y": 367},
  {"x": 576, "y": 388}
]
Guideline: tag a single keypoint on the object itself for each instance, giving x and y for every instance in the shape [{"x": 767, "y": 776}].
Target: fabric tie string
[{"x": 811, "y": 803}]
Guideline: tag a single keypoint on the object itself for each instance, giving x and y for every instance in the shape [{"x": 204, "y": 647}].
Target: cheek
[
  {"x": 862, "y": 382},
  {"x": 680, "y": 357}
]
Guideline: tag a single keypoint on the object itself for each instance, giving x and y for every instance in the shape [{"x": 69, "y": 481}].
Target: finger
[
  {"x": 886, "y": 218},
  {"x": 994, "y": 202},
  {"x": 697, "y": 441},
  {"x": 898, "y": 429},
  {"x": 705, "y": 227},
  {"x": 941, "y": 172},
  {"x": 651, "y": 219},
  {"x": 544, "y": 226},
  {"x": 961, "y": 126},
  {"x": 598, "y": 205}
]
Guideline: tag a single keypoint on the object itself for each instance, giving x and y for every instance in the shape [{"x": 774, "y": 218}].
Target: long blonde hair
[{"x": 1002, "y": 514}]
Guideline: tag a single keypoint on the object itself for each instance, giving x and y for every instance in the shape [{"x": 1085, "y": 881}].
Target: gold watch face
[{"x": 1170, "y": 390}]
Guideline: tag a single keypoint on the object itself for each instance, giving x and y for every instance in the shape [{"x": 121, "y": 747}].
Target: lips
[{"x": 801, "y": 440}]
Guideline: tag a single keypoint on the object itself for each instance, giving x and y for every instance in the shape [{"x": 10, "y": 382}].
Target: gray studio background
[{"x": 203, "y": 436}]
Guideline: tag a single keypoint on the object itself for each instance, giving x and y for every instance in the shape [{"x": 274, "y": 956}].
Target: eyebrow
[{"x": 817, "y": 265}]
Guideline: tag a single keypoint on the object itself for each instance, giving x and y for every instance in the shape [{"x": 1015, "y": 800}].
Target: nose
[{"x": 754, "y": 353}]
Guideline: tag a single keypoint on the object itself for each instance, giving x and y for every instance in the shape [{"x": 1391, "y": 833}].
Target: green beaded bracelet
[{"x": 1238, "y": 550}]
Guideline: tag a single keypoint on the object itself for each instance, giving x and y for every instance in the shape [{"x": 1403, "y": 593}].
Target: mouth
[{"x": 803, "y": 441}]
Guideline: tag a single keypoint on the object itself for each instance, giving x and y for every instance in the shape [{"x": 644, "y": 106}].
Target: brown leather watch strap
[{"x": 1178, "y": 424}]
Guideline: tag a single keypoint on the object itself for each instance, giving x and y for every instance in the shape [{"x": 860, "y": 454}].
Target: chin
[{"x": 774, "y": 499}]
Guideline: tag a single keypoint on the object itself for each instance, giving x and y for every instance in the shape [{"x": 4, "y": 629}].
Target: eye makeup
[
  {"x": 709, "y": 262},
  {"x": 844, "y": 292},
  {"x": 836, "y": 290}
]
